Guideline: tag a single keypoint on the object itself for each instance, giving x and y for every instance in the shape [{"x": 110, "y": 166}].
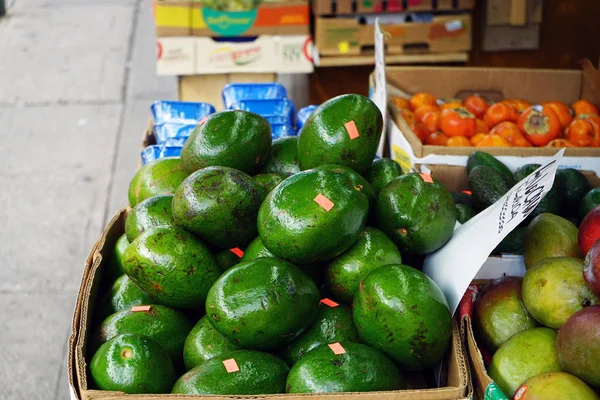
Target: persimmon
[
  {"x": 450, "y": 103},
  {"x": 422, "y": 99},
  {"x": 477, "y": 105},
  {"x": 477, "y": 138},
  {"x": 511, "y": 132},
  {"x": 419, "y": 131},
  {"x": 431, "y": 121},
  {"x": 583, "y": 133},
  {"x": 519, "y": 104},
  {"x": 401, "y": 103},
  {"x": 595, "y": 121},
  {"x": 562, "y": 111},
  {"x": 421, "y": 111},
  {"x": 493, "y": 141},
  {"x": 458, "y": 122},
  {"x": 408, "y": 116},
  {"x": 560, "y": 143},
  {"x": 482, "y": 126},
  {"x": 437, "y": 139},
  {"x": 500, "y": 112},
  {"x": 584, "y": 107},
  {"x": 458, "y": 141},
  {"x": 539, "y": 125}
]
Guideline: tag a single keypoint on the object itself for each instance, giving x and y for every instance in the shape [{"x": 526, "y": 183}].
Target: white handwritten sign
[
  {"x": 380, "y": 94},
  {"x": 454, "y": 266}
]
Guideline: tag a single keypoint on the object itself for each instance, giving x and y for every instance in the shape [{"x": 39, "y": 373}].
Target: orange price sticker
[
  {"x": 351, "y": 129},
  {"x": 203, "y": 120},
  {"x": 237, "y": 251},
  {"x": 466, "y": 192},
  {"x": 427, "y": 178},
  {"x": 324, "y": 202},
  {"x": 337, "y": 348},
  {"x": 140, "y": 308},
  {"x": 231, "y": 365},
  {"x": 329, "y": 302}
]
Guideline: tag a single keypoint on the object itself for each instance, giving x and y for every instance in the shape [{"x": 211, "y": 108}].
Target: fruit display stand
[{"x": 454, "y": 372}]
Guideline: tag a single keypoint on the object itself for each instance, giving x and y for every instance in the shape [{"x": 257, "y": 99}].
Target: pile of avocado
[
  {"x": 250, "y": 267},
  {"x": 571, "y": 196}
]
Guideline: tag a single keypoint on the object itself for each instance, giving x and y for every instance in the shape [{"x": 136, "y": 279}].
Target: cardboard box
[
  {"x": 204, "y": 55},
  {"x": 172, "y": 17},
  {"x": 348, "y": 36},
  {"x": 455, "y": 370},
  {"x": 341, "y": 7},
  {"x": 534, "y": 85}
]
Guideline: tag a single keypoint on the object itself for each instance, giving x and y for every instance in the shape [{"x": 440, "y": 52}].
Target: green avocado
[
  {"x": 153, "y": 211},
  {"x": 267, "y": 182},
  {"x": 382, "y": 171},
  {"x": 464, "y": 213},
  {"x": 344, "y": 130},
  {"x": 360, "y": 369},
  {"x": 590, "y": 201},
  {"x": 203, "y": 343},
  {"x": 478, "y": 158},
  {"x": 219, "y": 205},
  {"x": 283, "y": 158},
  {"x": 162, "y": 176},
  {"x": 123, "y": 294},
  {"x": 574, "y": 187},
  {"x": 259, "y": 373},
  {"x": 553, "y": 202},
  {"x": 172, "y": 266},
  {"x": 372, "y": 250},
  {"x": 524, "y": 171},
  {"x": 360, "y": 183},
  {"x": 513, "y": 243},
  {"x": 333, "y": 324},
  {"x": 403, "y": 313},
  {"x": 115, "y": 259},
  {"x": 419, "y": 216},
  {"x": 132, "y": 364},
  {"x": 236, "y": 139},
  {"x": 165, "y": 326},
  {"x": 312, "y": 216},
  {"x": 262, "y": 303},
  {"x": 226, "y": 259},
  {"x": 487, "y": 186}
]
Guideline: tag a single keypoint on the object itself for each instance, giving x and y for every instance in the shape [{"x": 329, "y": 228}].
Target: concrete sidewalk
[{"x": 76, "y": 80}]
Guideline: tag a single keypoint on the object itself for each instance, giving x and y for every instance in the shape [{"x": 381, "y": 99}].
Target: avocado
[
  {"x": 293, "y": 225},
  {"x": 549, "y": 235},
  {"x": 381, "y": 172},
  {"x": 172, "y": 266},
  {"x": 513, "y": 243},
  {"x": 524, "y": 171},
  {"x": 464, "y": 213},
  {"x": 226, "y": 259},
  {"x": 115, "y": 259},
  {"x": 267, "y": 182},
  {"x": 333, "y": 324},
  {"x": 123, "y": 294},
  {"x": 283, "y": 157},
  {"x": 360, "y": 183},
  {"x": 165, "y": 326},
  {"x": 161, "y": 176},
  {"x": 256, "y": 249},
  {"x": 203, "y": 343},
  {"x": 132, "y": 364},
  {"x": 419, "y": 216},
  {"x": 372, "y": 250},
  {"x": 153, "y": 211},
  {"x": 403, "y": 313},
  {"x": 553, "y": 202},
  {"x": 574, "y": 186},
  {"x": 590, "y": 201},
  {"x": 262, "y": 303},
  {"x": 344, "y": 130},
  {"x": 462, "y": 198},
  {"x": 259, "y": 373},
  {"x": 236, "y": 139},
  {"x": 360, "y": 369},
  {"x": 478, "y": 158},
  {"x": 219, "y": 205},
  {"x": 487, "y": 186}
]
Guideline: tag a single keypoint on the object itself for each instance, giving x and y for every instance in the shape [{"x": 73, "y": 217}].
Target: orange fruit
[
  {"x": 493, "y": 141},
  {"x": 477, "y": 105},
  {"x": 560, "y": 143},
  {"x": 561, "y": 110},
  {"x": 482, "y": 126},
  {"x": 458, "y": 141},
  {"x": 437, "y": 139},
  {"x": 510, "y": 131},
  {"x": 431, "y": 121},
  {"x": 422, "y": 99},
  {"x": 500, "y": 112},
  {"x": 401, "y": 103},
  {"x": 539, "y": 125},
  {"x": 477, "y": 138},
  {"x": 408, "y": 115},
  {"x": 458, "y": 122},
  {"x": 421, "y": 111},
  {"x": 584, "y": 107}
]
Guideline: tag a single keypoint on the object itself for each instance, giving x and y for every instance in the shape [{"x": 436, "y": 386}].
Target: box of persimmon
[{"x": 440, "y": 115}]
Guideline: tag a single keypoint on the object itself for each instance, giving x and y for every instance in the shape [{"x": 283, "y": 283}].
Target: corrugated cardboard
[
  {"x": 347, "y": 36},
  {"x": 342, "y": 7},
  {"x": 455, "y": 371}
]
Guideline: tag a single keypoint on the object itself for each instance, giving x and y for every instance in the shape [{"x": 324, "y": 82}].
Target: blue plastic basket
[
  {"x": 268, "y": 108},
  {"x": 234, "y": 92},
  {"x": 303, "y": 115},
  {"x": 180, "y": 111},
  {"x": 157, "y": 151},
  {"x": 282, "y": 130},
  {"x": 170, "y": 130}
]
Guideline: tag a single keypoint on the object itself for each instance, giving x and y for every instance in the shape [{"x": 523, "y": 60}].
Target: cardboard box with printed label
[
  {"x": 344, "y": 7},
  {"x": 454, "y": 371},
  {"x": 533, "y": 85},
  {"x": 172, "y": 17}
]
